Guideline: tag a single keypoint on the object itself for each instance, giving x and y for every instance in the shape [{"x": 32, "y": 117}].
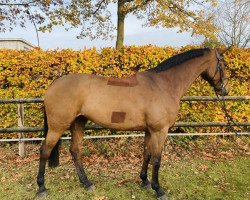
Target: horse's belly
[
  {"x": 118, "y": 120},
  {"x": 123, "y": 127}
]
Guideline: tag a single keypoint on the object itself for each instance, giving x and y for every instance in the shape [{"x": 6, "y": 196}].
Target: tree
[
  {"x": 18, "y": 12},
  {"x": 165, "y": 13},
  {"x": 95, "y": 17},
  {"x": 232, "y": 17}
]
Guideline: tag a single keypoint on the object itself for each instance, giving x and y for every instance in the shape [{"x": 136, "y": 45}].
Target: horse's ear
[{"x": 221, "y": 51}]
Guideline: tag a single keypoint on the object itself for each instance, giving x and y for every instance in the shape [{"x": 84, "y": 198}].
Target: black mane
[{"x": 178, "y": 59}]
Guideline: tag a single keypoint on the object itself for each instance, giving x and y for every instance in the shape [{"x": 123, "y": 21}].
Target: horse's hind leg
[
  {"x": 75, "y": 149},
  {"x": 156, "y": 143},
  {"x": 146, "y": 159},
  {"x": 51, "y": 140}
]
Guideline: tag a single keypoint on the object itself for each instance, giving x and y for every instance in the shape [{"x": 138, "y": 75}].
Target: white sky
[{"x": 135, "y": 34}]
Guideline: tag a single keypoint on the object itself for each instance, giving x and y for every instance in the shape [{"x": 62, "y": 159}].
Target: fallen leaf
[
  {"x": 203, "y": 168},
  {"x": 101, "y": 198}
]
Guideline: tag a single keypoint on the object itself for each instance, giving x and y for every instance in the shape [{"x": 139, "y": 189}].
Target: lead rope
[{"x": 230, "y": 119}]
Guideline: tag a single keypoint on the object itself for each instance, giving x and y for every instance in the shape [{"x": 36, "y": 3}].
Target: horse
[{"x": 147, "y": 101}]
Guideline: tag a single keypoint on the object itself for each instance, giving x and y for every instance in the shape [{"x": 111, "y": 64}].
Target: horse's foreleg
[
  {"x": 45, "y": 150},
  {"x": 156, "y": 145},
  {"x": 75, "y": 149},
  {"x": 146, "y": 159}
]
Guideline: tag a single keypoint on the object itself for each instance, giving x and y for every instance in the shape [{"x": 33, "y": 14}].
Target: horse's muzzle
[{"x": 223, "y": 92}]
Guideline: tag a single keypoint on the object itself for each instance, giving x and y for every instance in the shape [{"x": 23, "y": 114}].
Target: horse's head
[{"x": 216, "y": 74}]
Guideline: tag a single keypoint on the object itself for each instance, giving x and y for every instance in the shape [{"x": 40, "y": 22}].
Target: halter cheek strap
[
  {"x": 219, "y": 58},
  {"x": 220, "y": 70}
]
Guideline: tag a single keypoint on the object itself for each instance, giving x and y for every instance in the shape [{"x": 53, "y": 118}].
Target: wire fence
[{"x": 21, "y": 129}]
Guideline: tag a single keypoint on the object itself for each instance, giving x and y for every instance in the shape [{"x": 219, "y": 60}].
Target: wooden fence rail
[
  {"x": 21, "y": 128},
  {"x": 96, "y": 127},
  {"x": 185, "y": 98}
]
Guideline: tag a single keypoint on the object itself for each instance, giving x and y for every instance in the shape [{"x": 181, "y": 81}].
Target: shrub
[{"x": 27, "y": 74}]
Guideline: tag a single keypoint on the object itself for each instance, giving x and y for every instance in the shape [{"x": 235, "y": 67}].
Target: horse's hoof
[
  {"x": 163, "y": 197},
  {"x": 42, "y": 194},
  {"x": 91, "y": 188},
  {"x": 146, "y": 186}
]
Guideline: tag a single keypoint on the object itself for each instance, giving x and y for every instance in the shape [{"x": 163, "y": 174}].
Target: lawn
[{"x": 116, "y": 177}]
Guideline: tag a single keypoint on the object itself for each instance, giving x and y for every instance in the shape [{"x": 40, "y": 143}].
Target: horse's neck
[{"x": 182, "y": 76}]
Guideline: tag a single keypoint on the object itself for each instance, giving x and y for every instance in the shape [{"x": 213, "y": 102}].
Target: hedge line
[{"x": 27, "y": 74}]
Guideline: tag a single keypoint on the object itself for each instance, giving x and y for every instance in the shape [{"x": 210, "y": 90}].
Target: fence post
[{"x": 20, "y": 109}]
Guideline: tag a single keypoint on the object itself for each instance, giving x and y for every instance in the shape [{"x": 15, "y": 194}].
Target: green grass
[{"x": 182, "y": 179}]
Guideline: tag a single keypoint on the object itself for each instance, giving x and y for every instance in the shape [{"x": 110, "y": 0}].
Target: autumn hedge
[{"x": 27, "y": 74}]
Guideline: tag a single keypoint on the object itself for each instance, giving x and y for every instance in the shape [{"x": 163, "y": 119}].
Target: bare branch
[
  {"x": 233, "y": 18},
  {"x": 98, "y": 7},
  {"x": 18, "y": 4}
]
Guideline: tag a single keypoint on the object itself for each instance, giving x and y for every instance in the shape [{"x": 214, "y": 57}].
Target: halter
[{"x": 219, "y": 69}]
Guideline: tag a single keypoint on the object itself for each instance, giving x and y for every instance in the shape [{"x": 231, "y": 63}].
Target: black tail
[{"x": 54, "y": 156}]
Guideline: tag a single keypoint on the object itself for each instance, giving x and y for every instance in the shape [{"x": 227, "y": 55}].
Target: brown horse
[{"x": 147, "y": 101}]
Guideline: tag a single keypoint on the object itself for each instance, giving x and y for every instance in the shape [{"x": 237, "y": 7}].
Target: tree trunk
[{"x": 120, "y": 24}]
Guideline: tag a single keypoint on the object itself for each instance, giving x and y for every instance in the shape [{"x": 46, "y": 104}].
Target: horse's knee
[{"x": 157, "y": 163}]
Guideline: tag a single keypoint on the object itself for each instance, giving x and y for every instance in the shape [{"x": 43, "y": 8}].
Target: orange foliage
[{"x": 27, "y": 74}]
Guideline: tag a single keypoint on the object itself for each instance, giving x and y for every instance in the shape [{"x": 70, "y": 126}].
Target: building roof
[{"x": 18, "y": 39}]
